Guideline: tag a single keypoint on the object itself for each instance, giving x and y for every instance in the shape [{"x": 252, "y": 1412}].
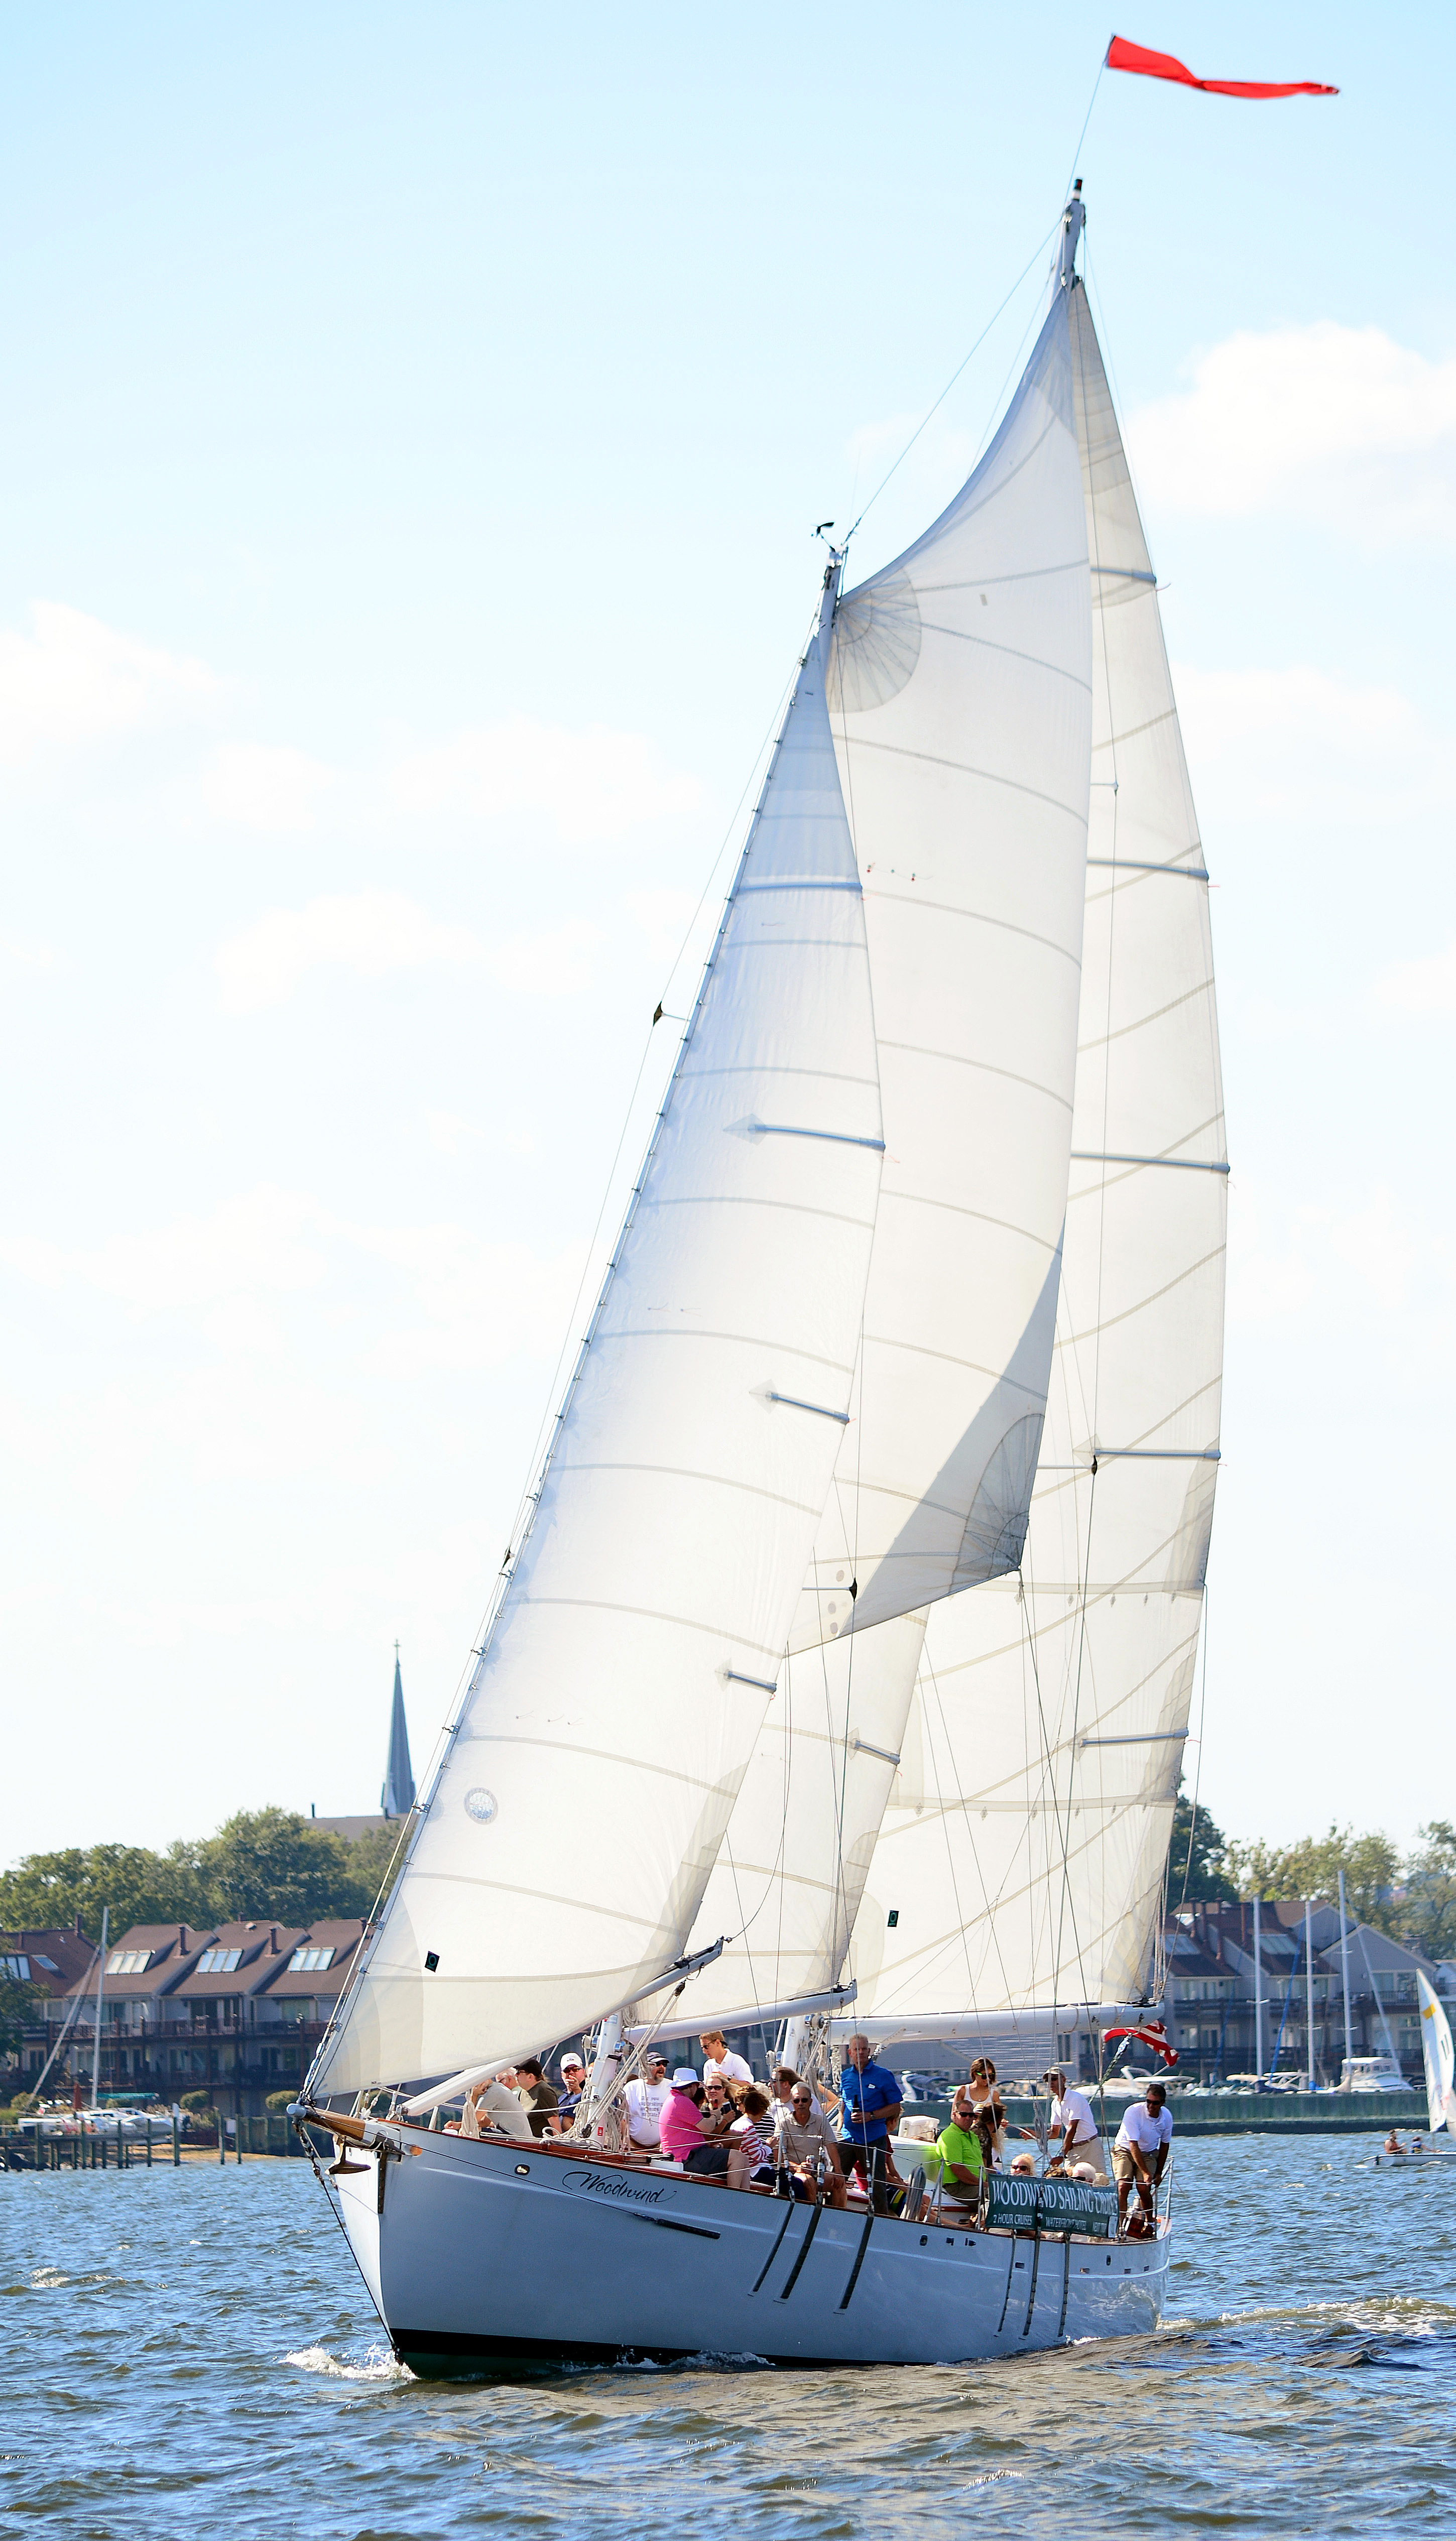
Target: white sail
[
  {"x": 1022, "y": 1852},
  {"x": 959, "y": 689},
  {"x": 566, "y": 1841},
  {"x": 961, "y": 695},
  {"x": 1439, "y": 2059}
]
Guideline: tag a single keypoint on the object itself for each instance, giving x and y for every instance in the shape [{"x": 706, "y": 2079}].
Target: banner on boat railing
[{"x": 1052, "y": 2205}]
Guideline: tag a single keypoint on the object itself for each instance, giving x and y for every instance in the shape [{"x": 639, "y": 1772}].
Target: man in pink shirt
[{"x": 686, "y": 2124}]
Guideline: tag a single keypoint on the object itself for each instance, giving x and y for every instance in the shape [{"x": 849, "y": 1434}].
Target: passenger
[
  {"x": 1071, "y": 2119},
  {"x": 720, "y": 2062},
  {"x": 1141, "y": 2155},
  {"x": 808, "y": 2151},
  {"x": 984, "y": 2124},
  {"x": 749, "y": 2159},
  {"x": 492, "y": 2107},
  {"x": 869, "y": 2096},
  {"x": 687, "y": 2132},
  {"x": 646, "y": 2097},
  {"x": 568, "y": 2099},
  {"x": 1024, "y": 2165},
  {"x": 961, "y": 2161},
  {"x": 1392, "y": 2143},
  {"x": 538, "y": 2097},
  {"x": 980, "y": 2090}
]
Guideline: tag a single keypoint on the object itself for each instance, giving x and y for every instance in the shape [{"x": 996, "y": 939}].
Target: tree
[
  {"x": 1312, "y": 1866},
  {"x": 1196, "y": 1856},
  {"x": 271, "y": 1865},
  {"x": 48, "y": 1890},
  {"x": 376, "y": 1859},
  {"x": 1427, "y": 1909},
  {"x": 20, "y": 2010}
]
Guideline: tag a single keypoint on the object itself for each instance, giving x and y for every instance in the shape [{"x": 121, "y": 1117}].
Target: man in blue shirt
[{"x": 869, "y": 2096}]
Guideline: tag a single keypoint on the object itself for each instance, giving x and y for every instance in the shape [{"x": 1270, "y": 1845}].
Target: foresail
[
  {"x": 787, "y": 1884},
  {"x": 1023, "y": 1851},
  {"x": 961, "y": 698},
  {"x": 566, "y": 1843}
]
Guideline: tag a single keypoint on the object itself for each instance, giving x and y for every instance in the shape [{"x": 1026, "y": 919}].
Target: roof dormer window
[
  {"x": 217, "y": 1963},
  {"x": 307, "y": 1962},
  {"x": 127, "y": 1963}
]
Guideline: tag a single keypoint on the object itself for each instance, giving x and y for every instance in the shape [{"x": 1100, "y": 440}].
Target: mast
[
  {"x": 1258, "y": 1994},
  {"x": 1309, "y": 1996},
  {"x": 101, "y": 1987},
  {"x": 1345, "y": 1975}
]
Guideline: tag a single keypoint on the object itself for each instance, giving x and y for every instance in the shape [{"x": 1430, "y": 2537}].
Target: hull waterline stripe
[
  {"x": 864, "y": 2241},
  {"x": 793, "y": 1404},
  {"x": 793, "y": 2275},
  {"x": 788, "y": 2216}
]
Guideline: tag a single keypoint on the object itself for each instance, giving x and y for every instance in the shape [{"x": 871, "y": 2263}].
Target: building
[
  {"x": 1216, "y": 1988},
  {"x": 54, "y": 1961},
  {"x": 235, "y": 2010}
]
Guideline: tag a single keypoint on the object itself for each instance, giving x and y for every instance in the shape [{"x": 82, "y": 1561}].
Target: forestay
[
  {"x": 959, "y": 689},
  {"x": 1023, "y": 1850},
  {"x": 565, "y": 1845}
]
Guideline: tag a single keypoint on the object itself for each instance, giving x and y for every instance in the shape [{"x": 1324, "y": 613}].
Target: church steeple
[{"x": 397, "y": 1798}]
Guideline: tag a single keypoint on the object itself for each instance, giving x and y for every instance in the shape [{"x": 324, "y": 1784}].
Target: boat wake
[{"x": 377, "y": 2366}]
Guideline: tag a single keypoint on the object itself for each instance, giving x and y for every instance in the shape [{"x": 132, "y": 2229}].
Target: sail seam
[
  {"x": 962, "y": 767},
  {"x": 650, "y": 1615},
  {"x": 988, "y": 644},
  {"x": 569, "y": 1747},
  {"x": 978, "y": 917},
  {"x": 687, "y": 1474},
  {"x": 1109, "y": 1323},
  {"x": 962, "y": 1059}
]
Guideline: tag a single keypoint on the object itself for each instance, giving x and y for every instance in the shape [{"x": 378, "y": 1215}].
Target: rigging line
[
  {"x": 928, "y": 416},
  {"x": 1067, "y": 1905},
  {"x": 1082, "y": 135},
  {"x": 1192, "y": 1827},
  {"x": 990, "y": 1903}
]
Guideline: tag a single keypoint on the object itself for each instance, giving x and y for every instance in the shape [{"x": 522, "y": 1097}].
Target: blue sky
[{"x": 414, "y": 424}]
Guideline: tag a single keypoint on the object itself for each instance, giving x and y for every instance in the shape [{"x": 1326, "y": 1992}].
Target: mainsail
[
  {"x": 1021, "y": 1858},
  {"x": 1438, "y": 2056},
  {"x": 960, "y": 693},
  {"x": 569, "y": 1833}
]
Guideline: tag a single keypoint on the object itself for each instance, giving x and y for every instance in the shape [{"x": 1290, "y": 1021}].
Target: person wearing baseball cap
[{"x": 568, "y": 2099}]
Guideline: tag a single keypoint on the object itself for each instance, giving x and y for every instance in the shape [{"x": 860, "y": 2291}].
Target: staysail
[
  {"x": 960, "y": 691},
  {"x": 1021, "y": 1858},
  {"x": 564, "y": 1847}
]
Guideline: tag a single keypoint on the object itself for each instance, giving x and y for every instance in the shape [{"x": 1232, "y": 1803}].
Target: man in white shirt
[
  {"x": 720, "y": 2062},
  {"x": 1072, "y": 2120},
  {"x": 1140, "y": 2152},
  {"x": 646, "y": 2097}
]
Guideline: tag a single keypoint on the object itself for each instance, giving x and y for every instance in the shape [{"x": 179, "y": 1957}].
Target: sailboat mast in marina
[{"x": 849, "y": 1649}]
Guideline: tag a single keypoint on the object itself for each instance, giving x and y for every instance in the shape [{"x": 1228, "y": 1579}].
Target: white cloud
[
  {"x": 1426, "y": 986},
  {"x": 592, "y": 785},
  {"x": 25, "y": 952},
  {"x": 1338, "y": 420},
  {"x": 1297, "y": 741},
  {"x": 74, "y": 681},
  {"x": 367, "y": 933},
  {"x": 261, "y": 788},
  {"x": 263, "y": 1242}
]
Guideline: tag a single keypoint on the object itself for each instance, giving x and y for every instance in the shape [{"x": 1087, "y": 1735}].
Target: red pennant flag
[{"x": 1122, "y": 57}]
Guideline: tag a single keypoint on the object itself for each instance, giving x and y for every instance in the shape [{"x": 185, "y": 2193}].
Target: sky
[{"x": 415, "y": 421}]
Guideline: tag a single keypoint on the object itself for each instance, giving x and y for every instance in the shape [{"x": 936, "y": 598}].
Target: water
[{"x": 193, "y": 2351}]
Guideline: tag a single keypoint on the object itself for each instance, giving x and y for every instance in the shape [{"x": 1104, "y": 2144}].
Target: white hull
[{"x": 481, "y": 2255}]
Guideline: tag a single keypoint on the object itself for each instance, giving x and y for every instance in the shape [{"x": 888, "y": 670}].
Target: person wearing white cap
[
  {"x": 647, "y": 2095},
  {"x": 568, "y": 2099}
]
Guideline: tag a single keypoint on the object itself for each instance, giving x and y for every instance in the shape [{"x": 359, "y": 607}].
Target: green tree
[
  {"x": 48, "y": 1890},
  {"x": 20, "y": 2010},
  {"x": 375, "y": 1859},
  {"x": 271, "y": 1863},
  {"x": 1311, "y": 1868},
  {"x": 1196, "y": 1856},
  {"x": 1427, "y": 1909}
]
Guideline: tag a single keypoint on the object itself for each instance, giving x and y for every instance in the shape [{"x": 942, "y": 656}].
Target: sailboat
[{"x": 841, "y": 1676}]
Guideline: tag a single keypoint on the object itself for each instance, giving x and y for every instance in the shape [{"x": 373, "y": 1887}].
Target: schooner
[{"x": 847, "y": 1654}]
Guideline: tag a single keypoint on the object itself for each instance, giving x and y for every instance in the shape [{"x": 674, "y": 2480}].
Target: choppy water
[{"x": 192, "y": 2351}]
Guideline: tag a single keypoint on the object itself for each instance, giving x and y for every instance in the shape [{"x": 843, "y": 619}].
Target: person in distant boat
[
  {"x": 538, "y": 2097},
  {"x": 869, "y": 2096},
  {"x": 692, "y": 2134},
  {"x": 646, "y": 2097},
  {"x": 808, "y": 2151},
  {"x": 720, "y": 2062},
  {"x": 1140, "y": 2152},
  {"x": 1072, "y": 2120},
  {"x": 568, "y": 2098}
]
